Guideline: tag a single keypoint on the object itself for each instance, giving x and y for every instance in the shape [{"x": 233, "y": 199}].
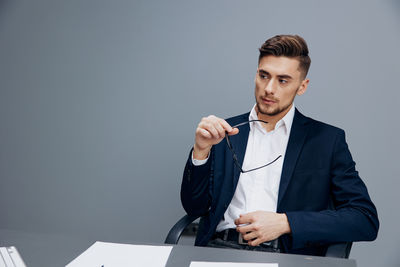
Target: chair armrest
[
  {"x": 176, "y": 231},
  {"x": 339, "y": 250}
]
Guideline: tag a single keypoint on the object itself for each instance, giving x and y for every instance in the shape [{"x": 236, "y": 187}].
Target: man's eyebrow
[
  {"x": 281, "y": 76},
  {"x": 285, "y": 76}
]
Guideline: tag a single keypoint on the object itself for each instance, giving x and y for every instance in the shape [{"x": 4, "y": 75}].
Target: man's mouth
[{"x": 268, "y": 101}]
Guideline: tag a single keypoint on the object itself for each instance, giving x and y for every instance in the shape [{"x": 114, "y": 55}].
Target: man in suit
[{"x": 308, "y": 196}]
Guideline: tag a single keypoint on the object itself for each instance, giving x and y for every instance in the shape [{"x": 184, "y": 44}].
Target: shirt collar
[{"x": 286, "y": 121}]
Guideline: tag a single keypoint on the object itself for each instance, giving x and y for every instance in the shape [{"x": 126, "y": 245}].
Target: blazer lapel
[{"x": 297, "y": 137}]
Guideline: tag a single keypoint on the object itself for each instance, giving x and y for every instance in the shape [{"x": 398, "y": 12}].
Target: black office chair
[{"x": 340, "y": 250}]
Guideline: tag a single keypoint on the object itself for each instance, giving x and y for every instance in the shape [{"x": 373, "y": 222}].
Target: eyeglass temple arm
[
  {"x": 243, "y": 123},
  {"x": 235, "y": 159},
  {"x": 264, "y": 165},
  {"x": 237, "y": 163}
]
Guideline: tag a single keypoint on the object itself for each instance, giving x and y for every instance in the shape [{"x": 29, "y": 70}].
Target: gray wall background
[{"x": 99, "y": 101}]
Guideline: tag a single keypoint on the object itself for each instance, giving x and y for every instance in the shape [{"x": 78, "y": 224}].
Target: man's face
[{"x": 278, "y": 80}]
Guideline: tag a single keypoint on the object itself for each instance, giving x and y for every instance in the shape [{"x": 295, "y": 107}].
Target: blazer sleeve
[
  {"x": 195, "y": 188},
  {"x": 354, "y": 217}
]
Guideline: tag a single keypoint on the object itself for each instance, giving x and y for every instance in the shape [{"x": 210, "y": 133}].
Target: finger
[
  {"x": 226, "y": 125},
  {"x": 220, "y": 129},
  {"x": 244, "y": 219},
  {"x": 250, "y": 236},
  {"x": 211, "y": 129},
  {"x": 246, "y": 228},
  {"x": 205, "y": 133},
  {"x": 241, "y": 220},
  {"x": 255, "y": 242},
  {"x": 234, "y": 131}
]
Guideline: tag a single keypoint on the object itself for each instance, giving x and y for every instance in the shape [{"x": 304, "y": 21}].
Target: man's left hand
[{"x": 262, "y": 226}]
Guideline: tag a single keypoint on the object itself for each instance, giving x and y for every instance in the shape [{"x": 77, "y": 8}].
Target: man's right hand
[{"x": 210, "y": 131}]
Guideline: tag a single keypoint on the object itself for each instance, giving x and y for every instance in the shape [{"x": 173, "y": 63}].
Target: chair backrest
[
  {"x": 339, "y": 250},
  {"x": 178, "y": 229}
]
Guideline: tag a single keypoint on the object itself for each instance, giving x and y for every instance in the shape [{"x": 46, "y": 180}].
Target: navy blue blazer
[{"x": 320, "y": 190}]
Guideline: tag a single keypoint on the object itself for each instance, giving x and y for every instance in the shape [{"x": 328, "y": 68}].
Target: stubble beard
[{"x": 263, "y": 109}]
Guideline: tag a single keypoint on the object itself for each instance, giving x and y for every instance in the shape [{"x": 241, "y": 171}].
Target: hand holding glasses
[{"x": 211, "y": 131}]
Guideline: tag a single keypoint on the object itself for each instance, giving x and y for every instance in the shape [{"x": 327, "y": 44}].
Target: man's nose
[{"x": 270, "y": 87}]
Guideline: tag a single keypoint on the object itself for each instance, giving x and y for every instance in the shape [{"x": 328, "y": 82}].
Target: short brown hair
[{"x": 292, "y": 46}]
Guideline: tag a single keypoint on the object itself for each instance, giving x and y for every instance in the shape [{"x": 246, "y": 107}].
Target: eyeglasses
[{"x": 235, "y": 159}]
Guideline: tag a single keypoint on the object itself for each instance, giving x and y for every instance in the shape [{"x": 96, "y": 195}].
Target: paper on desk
[
  {"x": 122, "y": 255},
  {"x": 230, "y": 264}
]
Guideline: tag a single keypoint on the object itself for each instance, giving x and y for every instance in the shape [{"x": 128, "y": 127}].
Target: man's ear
[{"x": 303, "y": 87}]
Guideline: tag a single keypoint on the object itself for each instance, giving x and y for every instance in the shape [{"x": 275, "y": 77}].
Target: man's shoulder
[{"x": 318, "y": 125}]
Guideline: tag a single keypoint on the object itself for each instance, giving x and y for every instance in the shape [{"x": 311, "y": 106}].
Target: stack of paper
[
  {"x": 122, "y": 255},
  {"x": 9, "y": 257}
]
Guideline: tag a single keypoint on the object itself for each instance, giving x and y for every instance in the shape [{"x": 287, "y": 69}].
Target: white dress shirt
[{"x": 258, "y": 190}]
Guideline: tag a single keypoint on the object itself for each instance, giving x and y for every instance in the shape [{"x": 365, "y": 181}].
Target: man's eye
[
  {"x": 263, "y": 76},
  {"x": 283, "y": 81}
]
